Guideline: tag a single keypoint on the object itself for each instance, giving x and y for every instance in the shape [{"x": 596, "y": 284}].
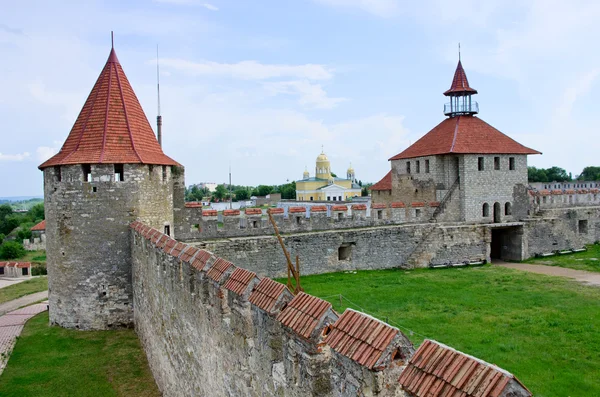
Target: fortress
[{"x": 124, "y": 250}]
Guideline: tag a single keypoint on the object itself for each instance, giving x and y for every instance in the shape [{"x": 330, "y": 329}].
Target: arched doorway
[{"x": 497, "y": 213}]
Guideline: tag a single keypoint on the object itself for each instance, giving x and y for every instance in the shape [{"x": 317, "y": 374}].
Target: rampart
[{"x": 210, "y": 328}]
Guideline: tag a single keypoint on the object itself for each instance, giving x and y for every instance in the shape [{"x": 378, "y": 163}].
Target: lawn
[
  {"x": 15, "y": 291},
  {"x": 542, "y": 329},
  {"x": 52, "y": 361},
  {"x": 588, "y": 260},
  {"x": 37, "y": 257}
]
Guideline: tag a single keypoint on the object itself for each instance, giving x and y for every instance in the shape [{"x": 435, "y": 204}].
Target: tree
[
  {"x": 11, "y": 250},
  {"x": 333, "y": 175},
  {"x": 36, "y": 213},
  {"x": 241, "y": 194},
  {"x": 263, "y": 190},
  {"x": 2, "y": 237},
  {"x": 590, "y": 174},
  {"x": 9, "y": 224},
  {"x": 553, "y": 174},
  {"x": 220, "y": 192}
]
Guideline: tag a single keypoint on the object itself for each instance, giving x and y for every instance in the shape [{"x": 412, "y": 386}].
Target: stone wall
[
  {"x": 88, "y": 241},
  {"x": 377, "y": 247}
]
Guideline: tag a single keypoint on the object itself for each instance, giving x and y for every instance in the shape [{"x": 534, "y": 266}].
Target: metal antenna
[
  {"x": 459, "y": 52},
  {"x": 112, "y": 40},
  {"x": 158, "y": 117}
]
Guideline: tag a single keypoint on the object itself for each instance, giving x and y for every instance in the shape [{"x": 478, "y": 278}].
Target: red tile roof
[
  {"x": 162, "y": 240},
  {"x": 112, "y": 127},
  {"x": 378, "y": 206},
  {"x": 219, "y": 269},
  {"x": 358, "y": 207},
  {"x": 318, "y": 208},
  {"x": 303, "y": 314},
  {"x": 463, "y": 135},
  {"x": 240, "y": 280},
  {"x": 231, "y": 212},
  {"x": 253, "y": 211},
  {"x": 169, "y": 244},
  {"x": 339, "y": 208},
  {"x": 201, "y": 259},
  {"x": 559, "y": 192},
  {"x": 434, "y": 204},
  {"x": 398, "y": 204},
  {"x": 439, "y": 370},
  {"x": 189, "y": 253},
  {"x": 177, "y": 249},
  {"x": 209, "y": 213},
  {"x": 266, "y": 294},
  {"x": 294, "y": 210},
  {"x": 360, "y": 337},
  {"x": 417, "y": 204},
  {"x": 276, "y": 211},
  {"x": 460, "y": 84},
  {"x": 384, "y": 184},
  {"x": 15, "y": 264},
  {"x": 39, "y": 227},
  {"x": 193, "y": 204}
]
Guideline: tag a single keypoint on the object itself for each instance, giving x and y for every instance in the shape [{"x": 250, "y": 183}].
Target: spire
[
  {"x": 112, "y": 127},
  {"x": 460, "y": 84}
]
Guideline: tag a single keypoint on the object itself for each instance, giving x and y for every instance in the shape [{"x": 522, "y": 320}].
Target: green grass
[
  {"x": 588, "y": 260},
  {"x": 52, "y": 361},
  {"x": 543, "y": 329},
  {"x": 15, "y": 291}
]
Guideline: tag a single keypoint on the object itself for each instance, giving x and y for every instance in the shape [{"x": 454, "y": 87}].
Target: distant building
[
  {"x": 211, "y": 186},
  {"x": 324, "y": 186}
]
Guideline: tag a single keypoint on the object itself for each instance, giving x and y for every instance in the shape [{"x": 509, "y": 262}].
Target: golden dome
[
  {"x": 322, "y": 157},
  {"x": 350, "y": 169}
]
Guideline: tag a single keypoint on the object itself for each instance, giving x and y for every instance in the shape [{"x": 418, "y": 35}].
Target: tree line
[
  {"x": 557, "y": 174},
  {"x": 238, "y": 192},
  {"x": 16, "y": 227}
]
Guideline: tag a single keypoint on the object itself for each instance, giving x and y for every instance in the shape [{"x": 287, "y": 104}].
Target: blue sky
[{"x": 262, "y": 85}]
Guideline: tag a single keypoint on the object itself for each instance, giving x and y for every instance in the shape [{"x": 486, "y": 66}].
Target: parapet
[
  {"x": 354, "y": 347},
  {"x": 567, "y": 198}
]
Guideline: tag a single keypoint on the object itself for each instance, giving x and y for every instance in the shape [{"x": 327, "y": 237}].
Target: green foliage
[
  {"x": 9, "y": 220},
  {"x": 50, "y": 361},
  {"x": 220, "y": 192},
  {"x": 39, "y": 271},
  {"x": 241, "y": 194},
  {"x": 588, "y": 260},
  {"x": 2, "y": 237},
  {"x": 23, "y": 205},
  {"x": 195, "y": 193},
  {"x": 24, "y": 234},
  {"x": 590, "y": 174},
  {"x": 11, "y": 250},
  {"x": 543, "y": 329},
  {"x": 333, "y": 175},
  {"x": 552, "y": 174},
  {"x": 36, "y": 213},
  {"x": 263, "y": 190},
  {"x": 288, "y": 191}
]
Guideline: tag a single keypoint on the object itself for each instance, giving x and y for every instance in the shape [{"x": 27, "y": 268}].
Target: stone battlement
[
  {"x": 209, "y": 224},
  {"x": 563, "y": 198},
  {"x": 212, "y": 328}
]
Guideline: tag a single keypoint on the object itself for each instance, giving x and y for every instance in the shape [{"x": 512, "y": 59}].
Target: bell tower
[
  {"x": 460, "y": 95},
  {"x": 109, "y": 172}
]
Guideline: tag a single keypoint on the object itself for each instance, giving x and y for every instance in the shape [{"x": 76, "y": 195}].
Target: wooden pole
[{"x": 285, "y": 251}]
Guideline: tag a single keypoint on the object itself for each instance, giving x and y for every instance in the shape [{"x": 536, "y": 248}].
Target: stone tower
[{"x": 109, "y": 172}]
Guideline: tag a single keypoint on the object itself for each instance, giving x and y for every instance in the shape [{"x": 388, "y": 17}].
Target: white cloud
[
  {"x": 248, "y": 70},
  {"x": 380, "y": 8},
  {"x": 311, "y": 95},
  {"x": 580, "y": 87},
  {"x": 210, "y": 7},
  {"x": 14, "y": 157},
  {"x": 45, "y": 152}
]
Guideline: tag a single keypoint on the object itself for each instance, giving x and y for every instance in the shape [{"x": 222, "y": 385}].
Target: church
[{"x": 325, "y": 186}]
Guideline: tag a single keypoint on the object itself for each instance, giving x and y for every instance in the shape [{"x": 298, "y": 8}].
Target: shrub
[
  {"x": 2, "y": 237},
  {"x": 11, "y": 250},
  {"x": 39, "y": 271},
  {"x": 24, "y": 234}
]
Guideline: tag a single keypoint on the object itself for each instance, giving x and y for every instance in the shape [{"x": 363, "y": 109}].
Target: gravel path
[
  {"x": 588, "y": 278},
  {"x": 22, "y": 301}
]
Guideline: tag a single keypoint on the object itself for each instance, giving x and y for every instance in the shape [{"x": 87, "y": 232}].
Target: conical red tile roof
[
  {"x": 464, "y": 135},
  {"x": 460, "y": 84},
  {"x": 112, "y": 127}
]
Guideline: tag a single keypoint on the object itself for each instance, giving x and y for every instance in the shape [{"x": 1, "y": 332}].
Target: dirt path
[
  {"x": 22, "y": 301},
  {"x": 588, "y": 278}
]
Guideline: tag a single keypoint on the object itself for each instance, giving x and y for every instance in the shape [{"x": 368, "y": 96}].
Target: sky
[{"x": 262, "y": 85}]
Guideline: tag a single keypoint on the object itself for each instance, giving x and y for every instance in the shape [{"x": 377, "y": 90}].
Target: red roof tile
[
  {"x": 294, "y": 210},
  {"x": 398, "y": 204},
  {"x": 318, "y": 208},
  {"x": 360, "y": 337},
  {"x": 162, "y": 240},
  {"x": 358, "y": 207},
  {"x": 384, "y": 184},
  {"x": 155, "y": 237},
  {"x": 112, "y": 127},
  {"x": 169, "y": 244},
  {"x": 303, "y": 313},
  {"x": 559, "y": 192},
  {"x": 544, "y": 192},
  {"x": 240, "y": 280},
  {"x": 231, "y": 212},
  {"x": 378, "y": 206},
  {"x": 209, "y": 213},
  {"x": 219, "y": 269},
  {"x": 189, "y": 253},
  {"x": 39, "y": 227},
  {"x": 439, "y": 370},
  {"x": 434, "y": 204},
  {"x": 193, "y": 204},
  {"x": 463, "y": 135},
  {"x": 569, "y": 191},
  {"x": 15, "y": 264},
  {"x": 276, "y": 211},
  {"x": 201, "y": 259},
  {"x": 460, "y": 84},
  {"x": 177, "y": 249},
  {"x": 339, "y": 208},
  {"x": 266, "y": 293},
  {"x": 253, "y": 211},
  {"x": 417, "y": 204}
]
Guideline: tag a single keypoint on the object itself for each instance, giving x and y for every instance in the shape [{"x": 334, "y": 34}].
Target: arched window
[
  {"x": 486, "y": 210},
  {"x": 508, "y": 209}
]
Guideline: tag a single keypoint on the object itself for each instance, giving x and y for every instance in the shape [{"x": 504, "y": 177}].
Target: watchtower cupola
[{"x": 460, "y": 95}]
